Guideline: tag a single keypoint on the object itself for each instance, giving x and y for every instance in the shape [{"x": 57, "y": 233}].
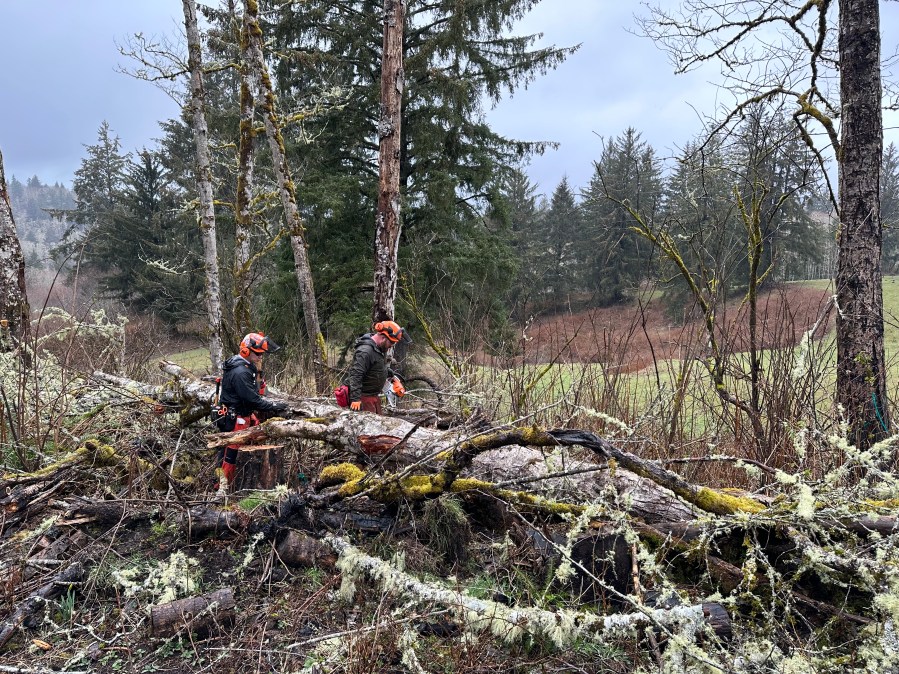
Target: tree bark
[
  {"x": 861, "y": 370},
  {"x": 287, "y": 192},
  {"x": 14, "y": 311},
  {"x": 388, "y": 223},
  {"x": 259, "y": 469},
  {"x": 243, "y": 210},
  {"x": 204, "y": 185},
  {"x": 193, "y": 613}
]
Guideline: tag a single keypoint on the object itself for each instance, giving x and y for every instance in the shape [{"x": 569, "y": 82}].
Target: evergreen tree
[
  {"x": 452, "y": 162},
  {"x": 98, "y": 186},
  {"x": 627, "y": 175},
  {"x": 99, "y": 180},
  {"x": 699, "y": 213},
  {"x": 142, "y": 251},
  {"x": 525, "y": 219},
  {"x": 773, "y": 167},
  {"x": 561, "y": 239}
]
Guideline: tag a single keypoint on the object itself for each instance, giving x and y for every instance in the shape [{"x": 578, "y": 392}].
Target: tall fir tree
[
  {"x": 98, "y": 186},
  {"x": 627, "y": 176},
  {"x": 456, "y": 56},
  {"x": 562, "y": 236},
  {"x": 525, "y": 215},
  {"x": 773, "y": 167},
  {"x": 699, "y": 213}
]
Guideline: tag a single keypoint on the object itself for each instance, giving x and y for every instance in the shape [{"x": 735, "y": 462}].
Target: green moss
[
  {"x": 725, "y": 504},
  {"x": 341, "y": 472}
]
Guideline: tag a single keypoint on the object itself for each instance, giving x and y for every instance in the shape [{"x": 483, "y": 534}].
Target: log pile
[{"x": 639, "y": 547}]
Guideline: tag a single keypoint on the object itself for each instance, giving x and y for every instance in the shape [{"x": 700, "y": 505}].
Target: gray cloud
[{"x": 59, "y": 82}]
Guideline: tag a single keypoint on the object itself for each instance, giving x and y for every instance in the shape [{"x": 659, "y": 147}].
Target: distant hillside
[{"x": 38, "y": 232}]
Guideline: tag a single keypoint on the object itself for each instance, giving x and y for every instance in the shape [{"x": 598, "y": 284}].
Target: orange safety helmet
[
  {"x": 390, "y": 330},
  {"x": 257, "y": 343}
]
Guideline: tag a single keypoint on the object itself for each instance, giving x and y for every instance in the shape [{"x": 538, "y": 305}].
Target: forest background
[{"x": 513, "y": 253}]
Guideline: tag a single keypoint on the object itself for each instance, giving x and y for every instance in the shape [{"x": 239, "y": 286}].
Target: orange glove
[
  {"x": 356, "y": 405},
  {"x": 398, "y": 387}
]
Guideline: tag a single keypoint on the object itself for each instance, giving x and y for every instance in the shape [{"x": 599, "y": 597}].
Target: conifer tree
[
  {"x": 771, "y": 164},
  {"x": 525, "y": 218},
  {"x": 455, "y": 55},
  {"x": 626, "y": 176},
  {"x": 561, "y": 239}
]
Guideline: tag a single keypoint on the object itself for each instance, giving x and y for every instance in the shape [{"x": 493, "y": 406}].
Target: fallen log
[
  {"x": 563, "y": 628},
  {"x": 203, "y": 613},
  {"x": 200, "y": 522},
  {"x": 343, "y": 430},
  {"x": 456, "y": 448},
  {"x": 74, "y": 573}
]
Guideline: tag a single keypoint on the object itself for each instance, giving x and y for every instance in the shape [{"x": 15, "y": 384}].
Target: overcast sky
[{"x": 59, "y": 81}]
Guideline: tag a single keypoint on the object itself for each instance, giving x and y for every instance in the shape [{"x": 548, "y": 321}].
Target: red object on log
[{"x": 378, "y": 444}]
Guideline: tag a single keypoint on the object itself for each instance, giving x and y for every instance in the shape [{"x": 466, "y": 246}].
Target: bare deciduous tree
[
  {"x": 787, "y": 51},
  {"x": 204, "y": 184},
  {"x": 286, "y": 190}
]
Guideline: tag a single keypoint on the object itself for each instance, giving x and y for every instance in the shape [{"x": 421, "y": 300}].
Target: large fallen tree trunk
[{"x": 493, "y": 455}]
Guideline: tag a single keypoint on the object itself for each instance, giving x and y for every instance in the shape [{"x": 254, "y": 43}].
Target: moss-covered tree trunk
[
  {"x": 287, "y": 192},
  {"x": 388, "y": 222},
  {"x": 204, "y": 185},
  {"x": 243, "y": 210},
  {"x": 861, "y": 371},
  {"x": 13, "y": 300}
]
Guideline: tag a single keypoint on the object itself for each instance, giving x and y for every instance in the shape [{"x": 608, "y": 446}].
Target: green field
[{"x": 560, "y": 392}]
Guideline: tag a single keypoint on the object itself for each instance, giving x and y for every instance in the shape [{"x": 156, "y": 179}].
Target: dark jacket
[
  {"x": 240, "y": 388},
  {"x": 369, "y": 371}
]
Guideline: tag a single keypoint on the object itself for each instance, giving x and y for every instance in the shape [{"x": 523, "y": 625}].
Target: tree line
[
  {"x": 283, "y": 119},
  {"x": 533, "y": 253}
]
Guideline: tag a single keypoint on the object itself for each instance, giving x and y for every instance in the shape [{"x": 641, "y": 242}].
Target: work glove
[
  {"x": 398, "y": 387},
  {"x": 280, "y": 407},
  {"x": 356, "y": 405},
  {"x": 261, "y": 385}
]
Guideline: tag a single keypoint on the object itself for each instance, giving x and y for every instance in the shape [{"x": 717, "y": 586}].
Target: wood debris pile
[{"x": 426, "y": 540}]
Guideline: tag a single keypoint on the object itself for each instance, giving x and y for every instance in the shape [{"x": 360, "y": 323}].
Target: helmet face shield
[
  {"x": 257, "y": 343},
  {"x": 390, "y": 330}
]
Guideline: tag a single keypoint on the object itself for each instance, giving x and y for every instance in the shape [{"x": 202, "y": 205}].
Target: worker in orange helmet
[
  {"x": 242, "y": 394},
  {"x": 369, "y": 370}
]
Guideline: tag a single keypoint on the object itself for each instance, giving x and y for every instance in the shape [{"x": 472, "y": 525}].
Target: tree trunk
[
  {"x": 861, "y": 371},
  {"x": 388, "y": 223},
  {"x": 243, "y": 211},
  {"x": 14, "y": 311},
  {"x": 287, "y": 192},
  {"x": 204, "y": 185},
  {"x": 262, "y": 469}
]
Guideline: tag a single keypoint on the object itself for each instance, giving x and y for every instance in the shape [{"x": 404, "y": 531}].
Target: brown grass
[{"x": 631, "y": 337}]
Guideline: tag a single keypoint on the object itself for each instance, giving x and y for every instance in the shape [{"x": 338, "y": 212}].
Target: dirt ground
[{"x": 630, "y": 337}]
